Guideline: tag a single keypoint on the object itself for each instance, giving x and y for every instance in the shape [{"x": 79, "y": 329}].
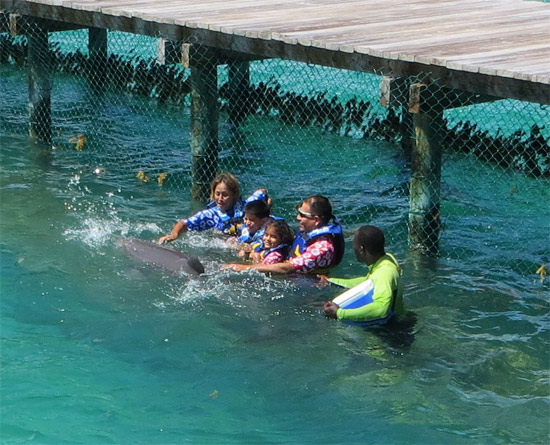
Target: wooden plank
[{"x": 406, "y": 35}]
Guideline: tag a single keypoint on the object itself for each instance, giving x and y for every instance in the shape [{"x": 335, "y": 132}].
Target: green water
[{"x": 97, "y": 348}]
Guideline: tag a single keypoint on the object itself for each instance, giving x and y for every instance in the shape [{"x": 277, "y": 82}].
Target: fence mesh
[{"x": 427, "y": 163}]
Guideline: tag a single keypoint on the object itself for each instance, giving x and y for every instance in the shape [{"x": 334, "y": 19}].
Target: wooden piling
[
  {"x": 97, "y": 50},
  {"x": 394, "y": 92},
  {"x": 39, "y": 83},
  {"x": 239, "y": 78},
  {"x": 204, "y": 120},
  {"x": 425, "y": 186}
]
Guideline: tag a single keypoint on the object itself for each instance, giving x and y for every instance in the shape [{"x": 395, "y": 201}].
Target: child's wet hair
[
  {"x": 282, "y": 229},
  {"x": 229, "y": 180},
  {"x": 258, "y": 209}
]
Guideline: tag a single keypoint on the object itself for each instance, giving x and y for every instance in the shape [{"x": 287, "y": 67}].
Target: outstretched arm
[
  {"x": 179, "y": 227},
  {"x": 265, "y": 268}
]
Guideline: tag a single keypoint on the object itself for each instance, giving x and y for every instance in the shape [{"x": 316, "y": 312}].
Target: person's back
[{"x": 384, "y": 273}]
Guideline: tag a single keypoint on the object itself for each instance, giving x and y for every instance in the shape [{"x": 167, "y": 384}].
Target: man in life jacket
[
  {"x": 385, "y": 274},
  {"x": 319, "y": 242}
]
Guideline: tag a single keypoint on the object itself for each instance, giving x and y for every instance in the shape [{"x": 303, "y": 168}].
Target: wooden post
[
  {"x": 425, "y": 187},
  {"x": 394, "y": 93},
  {"x": 204, "y": 119},
  {"x": 239, "y": 78},
  {"x": 97, "y": 50},
  {"x": 39, "y": 83}
]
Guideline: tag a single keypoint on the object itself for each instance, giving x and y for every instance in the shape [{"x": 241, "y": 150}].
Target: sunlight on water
[{"x": 97, "y": 347}]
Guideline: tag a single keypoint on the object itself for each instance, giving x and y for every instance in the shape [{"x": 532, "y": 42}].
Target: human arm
[
  {"x": 385, "y": 284},
  {"x": 179, "y": 227},
  {"x": 317, "y": 255},
  {"x": 281, "y": 268},
  {"x": 258, "y": 195},
  {"x": 347, "y": 282}
]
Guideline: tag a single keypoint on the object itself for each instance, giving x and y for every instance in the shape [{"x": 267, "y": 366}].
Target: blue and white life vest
[
  {"x": 228, "y": 222},
  {"x": 302, "y": 240},
  {"x": 231, "y": 222}
]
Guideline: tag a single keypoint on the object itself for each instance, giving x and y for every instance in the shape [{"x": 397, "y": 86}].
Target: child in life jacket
[
  {"x": 318, "y": 245},
  {"x": 277, "y": 240},
  {"x": 224, "y": 213},
  {"x": 256, "y": 216}
]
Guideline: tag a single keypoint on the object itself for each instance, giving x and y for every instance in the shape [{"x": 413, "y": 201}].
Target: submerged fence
[{"x": 173, "y": 113}]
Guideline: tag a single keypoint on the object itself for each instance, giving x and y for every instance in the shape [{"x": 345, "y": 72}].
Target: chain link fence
[{"x": 430, "y": 165}]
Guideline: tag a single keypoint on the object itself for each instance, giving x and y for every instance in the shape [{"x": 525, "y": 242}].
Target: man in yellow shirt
[{"x": 385, "y": 274}]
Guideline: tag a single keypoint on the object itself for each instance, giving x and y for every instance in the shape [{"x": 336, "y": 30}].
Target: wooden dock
[{"x": 495, "y": 47}]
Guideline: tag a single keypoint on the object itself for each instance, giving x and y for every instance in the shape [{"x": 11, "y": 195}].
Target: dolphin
[{"x": 162, "y": 256}]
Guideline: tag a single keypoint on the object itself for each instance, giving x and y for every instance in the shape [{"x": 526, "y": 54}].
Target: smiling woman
[{"x": 224, "y": 213}]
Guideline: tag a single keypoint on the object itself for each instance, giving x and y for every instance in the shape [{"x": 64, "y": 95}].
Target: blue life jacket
[
  {"x": 228, "y": 222},
  {"x": 303, "y": 240}
]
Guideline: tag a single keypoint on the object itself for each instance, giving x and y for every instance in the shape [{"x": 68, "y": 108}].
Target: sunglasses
[{"x": 304, "y": 214}]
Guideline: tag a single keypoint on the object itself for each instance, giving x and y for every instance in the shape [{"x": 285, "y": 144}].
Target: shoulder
[
  {"x": 324, "y": 242},
  {"x": 388, "y": 268}
]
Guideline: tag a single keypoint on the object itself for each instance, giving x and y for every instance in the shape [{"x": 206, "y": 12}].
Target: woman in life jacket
[
  {"x": 224, "y": 213},
  {"x": 318, "y": 245}
]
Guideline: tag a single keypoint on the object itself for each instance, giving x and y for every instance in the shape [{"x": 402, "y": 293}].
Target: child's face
[
  {"x": 271, "y": 238},
  {"x": 253, "y": 223},
  {"x": 223, "y": 197}
]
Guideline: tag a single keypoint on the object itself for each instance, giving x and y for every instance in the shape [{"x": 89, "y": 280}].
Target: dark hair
[
  {"x": 282, "y": 228},
  {"x": 258, "y": 208},
  {"x": 229, "y": 180},
  {"x": 371, "y": 238},
  {"x": 320, "y": 206}
]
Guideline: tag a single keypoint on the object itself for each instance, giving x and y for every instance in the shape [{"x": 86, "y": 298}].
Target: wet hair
[
  {"x": 371, "y": 238},
  {"x": 320, "y": 206},
  {"x": 258, "y": 208},
  {"x": 229, "y": 180},
  {"x": 282, "y": 228}
]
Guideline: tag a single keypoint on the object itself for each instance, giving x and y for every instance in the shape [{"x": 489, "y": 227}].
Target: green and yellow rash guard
[{"x": 385, "y": 275}]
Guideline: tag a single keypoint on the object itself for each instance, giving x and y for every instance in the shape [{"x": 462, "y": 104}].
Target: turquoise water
[{"x": 97, "y": 348}]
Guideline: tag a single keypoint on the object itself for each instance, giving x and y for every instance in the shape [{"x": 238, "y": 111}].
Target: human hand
[
  {"x": 323, "y": 280},
  {"x": 330, "y": 309},
  {"x": 268, "y": 199},
  {"x": 256, "y": 257},
  {"x": 167, "y": 238}
]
